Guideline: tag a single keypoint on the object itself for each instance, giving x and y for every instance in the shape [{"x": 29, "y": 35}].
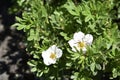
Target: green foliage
[
  {"x": 18, "y": 6},
  {"x": 46, "y": 25}
]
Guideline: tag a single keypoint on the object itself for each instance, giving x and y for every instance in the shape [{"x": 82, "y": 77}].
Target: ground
[{"x": 13, "y": 57}]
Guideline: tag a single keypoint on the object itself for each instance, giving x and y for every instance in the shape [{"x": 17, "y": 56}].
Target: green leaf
[
  {"x": 31, "y": 35},
  {"x": 69, "y": 50},
  {"x": 94, "y": 73},
  {"x": 36, "y": 56},
  {"x": 20, "y": 27},
  {"x": 92, "y": 67},
  {"x": 71, "y": 8},
  {"x": 115, "y": 74},
  {"x": 27, "y": 27},
  {"x": 68, "y": 64},
  {"x": 109, "y": 45},
  {"x": 92, "y": 26},
  {"x": 87, "y": 18},
  {"x": 18, "y": 19},
  {"x": 30, "y": 63},
  {"x": 79, "y": 21},
  {"x": 64, "y": 35},
  {"x": 33, "y": 69},
  {"x": 44, "y": 12},
  {"x": 98, "y": 66}
]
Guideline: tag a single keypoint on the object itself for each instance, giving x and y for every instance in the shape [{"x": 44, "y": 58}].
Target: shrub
[{"x": 48, "y": 23}]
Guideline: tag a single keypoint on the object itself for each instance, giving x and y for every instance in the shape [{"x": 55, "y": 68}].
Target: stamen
[
  {"x": 53, "y": 56},
  {"x": 81, "y": 44}
]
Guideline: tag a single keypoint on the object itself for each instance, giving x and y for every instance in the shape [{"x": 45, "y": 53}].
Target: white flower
[
  {"x": 80, "y": 41},
  {"x": 51, "y": 55}
]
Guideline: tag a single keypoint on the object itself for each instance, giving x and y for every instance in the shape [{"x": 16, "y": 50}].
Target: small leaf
[
  {"x": 36, "y": 56},
  {"x": 79, "y": 21},
  {"x": 98, "y": 66},
  {"x": 87, "y": 18},
  {"x": 18, "y": 19},
  {"x": 68, "y": 64},
  {"x": 31, "y": 35},
  {"x": 30, "y": 63},
  {"x": 108, "y": 45},
  {"x": 64, "y": 35},
  {"x": 20, "y": 27},
  {"x": 34, "y": 69},
  {"x": 115, "y": 74},
  {"x": 71, "y": 8},
  {"x": 92, "y": 67},
  {"x": 70, "y": 51}
]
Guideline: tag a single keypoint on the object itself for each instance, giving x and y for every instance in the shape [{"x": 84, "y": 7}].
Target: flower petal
[
  {"x": 56, "y": 50},
  {"x": 52, "y": 61},
  {"x": 49, "y": 61},
  {"x": 58, "y": 53},
  {"x": 72, "y": 44},
  {"x": 46, "y": 62},
  {"x": 44, "y": 54},
  {"x": 53, "y": 47},
  {"x": 51, "y": 50},
  {"x": 84, "y": 50},
  {"x": 88, "y": 39},
  {"x": 78, "y": 36}
]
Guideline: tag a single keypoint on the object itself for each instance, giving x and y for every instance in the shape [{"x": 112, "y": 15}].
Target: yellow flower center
[
  {"x": 53, "y": 56},
  {"x": 81, "y": 44}
]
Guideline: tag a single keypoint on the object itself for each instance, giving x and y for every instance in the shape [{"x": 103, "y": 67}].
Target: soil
[{"x": 13, "y": 57}]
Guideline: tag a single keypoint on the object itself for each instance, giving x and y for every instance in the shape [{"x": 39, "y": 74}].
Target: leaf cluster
[{"x": 46, "y": 24}]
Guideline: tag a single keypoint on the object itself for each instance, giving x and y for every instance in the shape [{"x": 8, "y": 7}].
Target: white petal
[
  {"x": 74, "y": 49},
  {"x": 44, "y": 54},
  {"x": 72, "y": 44},
  {"x": 84, "y": 50},
  {"x": 88, "y": 39},
  {"x": 46, "y": 62},
  {"x": 52, "y": 61},
  {"x": 58, "y": 53},
  {"x": 56, "y": 50},
  {"x": 78, "y": 36},
  {"x": 49, "y": 61},
  {"x": 53, "y": 48}
]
